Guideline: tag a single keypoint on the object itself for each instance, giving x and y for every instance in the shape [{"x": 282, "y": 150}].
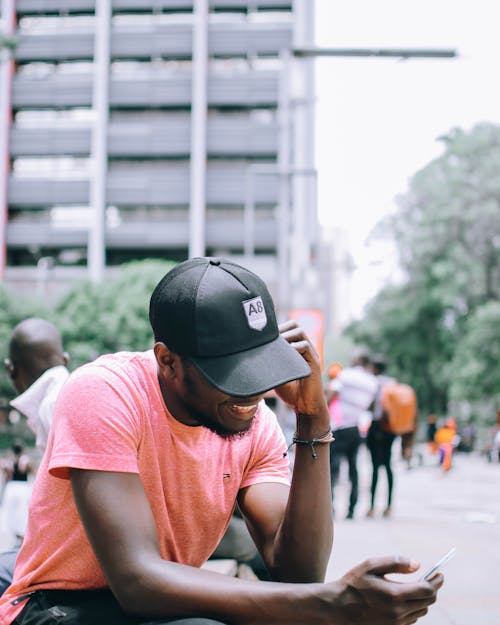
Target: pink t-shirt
[{"x": 111, "y": 416}]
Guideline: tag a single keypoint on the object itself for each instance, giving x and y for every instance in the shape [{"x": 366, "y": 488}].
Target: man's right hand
[
  {"x": 363, "y": 596},
  {"x": 366, "y": 597}
]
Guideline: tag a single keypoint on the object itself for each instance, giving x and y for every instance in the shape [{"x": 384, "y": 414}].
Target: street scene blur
[
  {"x": 434, "y": 512},
  {"x": 137, "y": 134}
]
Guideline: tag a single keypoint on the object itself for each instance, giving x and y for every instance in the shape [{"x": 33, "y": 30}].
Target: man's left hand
[{"x": 306, "y": 395}]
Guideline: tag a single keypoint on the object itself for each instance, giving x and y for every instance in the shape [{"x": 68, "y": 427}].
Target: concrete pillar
[
  {"x": 284, "y": 167},
  {"x": 7, "y": 29},
  {"x": 97, "y": 232},
  {"x": 304, "y": 222},
  {"x": 198, "y": 169}
]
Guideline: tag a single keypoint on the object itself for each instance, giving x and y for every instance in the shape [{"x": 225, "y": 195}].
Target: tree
[
  {"x": 447, "y": 232},
  {"x": 474, "y": 371},
  {"x": 93, "y": 319},
  {"x": 407, "y": 329},
  {"x": 447, "y": 228},
  {"x": 96, "y": 319}
]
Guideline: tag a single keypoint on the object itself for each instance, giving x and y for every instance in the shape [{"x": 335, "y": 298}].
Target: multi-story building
[{"x": 133, "y": 129}]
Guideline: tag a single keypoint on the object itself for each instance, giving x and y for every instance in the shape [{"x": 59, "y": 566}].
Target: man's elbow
[
  {"x": 127, "y": 590},
  {"x": 134, "y": 591}
]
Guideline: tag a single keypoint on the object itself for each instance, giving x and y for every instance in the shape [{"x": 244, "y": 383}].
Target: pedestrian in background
[
  {"x": 16, "y": 469},
  {"x": 332, "y": 394},
  {"x": 493, "y": 451},
  {"x": 446, "y": 438},
  {"x": 432, "y": 446},
  {"x": 357, "y": 387},
  {"x": 37, "y": 366},
  {"x": 379, "y": 441}
]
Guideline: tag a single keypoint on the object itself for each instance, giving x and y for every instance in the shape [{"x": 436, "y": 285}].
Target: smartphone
[{"x": 439, "y": 565}]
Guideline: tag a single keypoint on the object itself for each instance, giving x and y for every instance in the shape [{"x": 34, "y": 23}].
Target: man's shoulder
[
  {"x": 116, "y": 362},
  {"x": 120, "y": 370}
]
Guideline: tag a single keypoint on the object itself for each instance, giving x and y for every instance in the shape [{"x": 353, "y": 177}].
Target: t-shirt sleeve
[
  {"x": 269, "y": 461},
  {"x": 95, "y": 426}
]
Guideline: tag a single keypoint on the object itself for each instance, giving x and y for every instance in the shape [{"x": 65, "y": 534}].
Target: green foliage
[
  {"x": 8, "y": 41},
  {"x": 78, "y": 319},
  {"x": 447, "y": 232},
  {"x": 409, "y": 332},
  {"x": 97, "y": 319},
  {"x": 447, "y": 229},
  {"x": 474, "y": 371},
  {"x": 93, "y": 319}
]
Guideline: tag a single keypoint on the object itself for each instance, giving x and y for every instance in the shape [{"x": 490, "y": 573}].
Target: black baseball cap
[{"x": 221, "y": 317}]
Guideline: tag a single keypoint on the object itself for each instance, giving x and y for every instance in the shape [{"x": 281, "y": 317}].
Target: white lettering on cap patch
[{"x": 256, "y": 313}]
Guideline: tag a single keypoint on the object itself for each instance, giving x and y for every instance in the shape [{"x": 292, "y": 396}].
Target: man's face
[{"x": 201, "y": 403}]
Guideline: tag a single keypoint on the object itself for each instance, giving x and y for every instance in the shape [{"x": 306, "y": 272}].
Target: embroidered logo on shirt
[{"x": 226, "y": 476}]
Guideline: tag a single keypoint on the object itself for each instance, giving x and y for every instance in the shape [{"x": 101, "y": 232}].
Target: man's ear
[
  {"x": 11, "y": 368},
  {"x": 165, "y": 359},
  {"x": 65, "y": 359}
]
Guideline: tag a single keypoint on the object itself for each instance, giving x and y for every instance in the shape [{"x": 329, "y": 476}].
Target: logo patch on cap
[{"x": 255, "y": 312}]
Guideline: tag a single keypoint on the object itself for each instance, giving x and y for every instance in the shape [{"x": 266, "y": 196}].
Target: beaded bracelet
[{"x": 327, "y": 437}]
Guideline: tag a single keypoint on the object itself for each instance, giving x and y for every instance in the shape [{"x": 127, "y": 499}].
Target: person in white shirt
[
  {"x": 37, "y": 366},
  {"x": 357, "y": 387}
]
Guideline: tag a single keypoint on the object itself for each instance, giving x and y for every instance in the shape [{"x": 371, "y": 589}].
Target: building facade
[{"x": 136, "y": 129}]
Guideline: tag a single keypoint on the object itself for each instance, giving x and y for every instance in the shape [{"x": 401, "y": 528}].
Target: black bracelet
[{"x": 327, "y": 437}]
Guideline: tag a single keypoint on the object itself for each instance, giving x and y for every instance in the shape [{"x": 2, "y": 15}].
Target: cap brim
[{"x": 254, "y": 371}]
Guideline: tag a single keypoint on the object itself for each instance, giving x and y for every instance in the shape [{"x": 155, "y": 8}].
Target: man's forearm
[
  {"x": 168, "y": 590},
  {"x": 304, "y": 541}
]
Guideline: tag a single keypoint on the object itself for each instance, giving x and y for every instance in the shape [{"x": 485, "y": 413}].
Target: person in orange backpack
[{"x": 356, "y": 391}]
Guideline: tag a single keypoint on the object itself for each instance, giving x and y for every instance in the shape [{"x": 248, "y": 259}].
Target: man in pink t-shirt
[{"x": 149, "y": 454}]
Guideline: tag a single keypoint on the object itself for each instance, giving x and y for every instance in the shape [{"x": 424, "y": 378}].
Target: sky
[{"x": 378, "y": 120}]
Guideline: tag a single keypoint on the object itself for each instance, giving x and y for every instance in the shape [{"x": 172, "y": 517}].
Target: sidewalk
[{"x": 432, "y": 513}]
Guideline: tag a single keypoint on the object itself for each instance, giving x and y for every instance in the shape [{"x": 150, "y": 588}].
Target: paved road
[{"x": 433, "y": 512}]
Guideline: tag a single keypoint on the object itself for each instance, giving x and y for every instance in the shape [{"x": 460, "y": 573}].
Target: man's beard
[
  {"x": 202, "y": 419},
  {"x": 216, "y": 428}
]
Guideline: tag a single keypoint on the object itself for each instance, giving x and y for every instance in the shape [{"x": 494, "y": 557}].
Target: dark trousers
[
  {"x": 346, "y": 445},
  {"x": 87, "y": 607},
  {"x": 237, "y": 544},
  {"x": 379, "y": 443}
]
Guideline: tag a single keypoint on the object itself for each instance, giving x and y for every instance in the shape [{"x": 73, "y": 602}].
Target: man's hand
[
  {"x": 368, "y": 598},
  {"x": 306, "y": 395}
]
